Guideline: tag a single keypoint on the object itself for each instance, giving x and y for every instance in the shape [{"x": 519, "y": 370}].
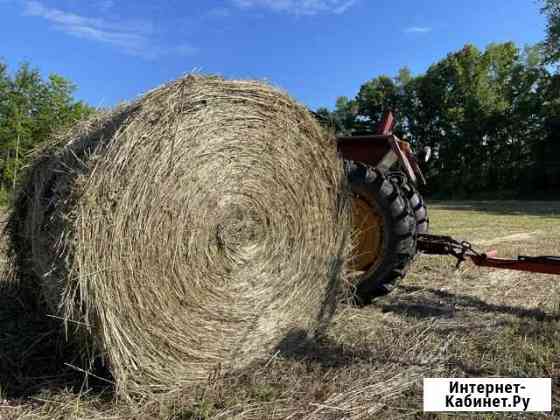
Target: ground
[{"x": 440, "y": 322}]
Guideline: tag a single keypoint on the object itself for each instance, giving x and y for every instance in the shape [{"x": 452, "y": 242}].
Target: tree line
[
  {"x": 31, "y": 109},
  {"x": 491, "y": 117}
]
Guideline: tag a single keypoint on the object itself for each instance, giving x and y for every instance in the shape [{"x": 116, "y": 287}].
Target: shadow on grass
[
  {"x": 432, "y": 306},
  {"x": 322, "y": 351},
  {"x": 34, "y": 354},
  {"x": 505, "y": 208}
]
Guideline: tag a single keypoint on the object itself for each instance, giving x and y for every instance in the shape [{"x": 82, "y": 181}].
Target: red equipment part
[
  {"x": 547, "y": 265},
  {"x": 381, "y": 150},
  {"x": 387, "y": 124},
  {"x": 446, "y": 245}
]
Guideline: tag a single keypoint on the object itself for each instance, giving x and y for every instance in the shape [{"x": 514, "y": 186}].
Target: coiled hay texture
[{"x": 199, "y": 227}]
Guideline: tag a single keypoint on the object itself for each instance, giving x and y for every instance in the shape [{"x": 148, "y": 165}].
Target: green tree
[
  {"x": 480, "y": 111},
  {"x": 375, "y": 97},
  {"x": 344, "y": 115},
  {"x": 31, "y": 109},
  {"x": 343, "y": 119},
  {"x": 551, "y": 9}
]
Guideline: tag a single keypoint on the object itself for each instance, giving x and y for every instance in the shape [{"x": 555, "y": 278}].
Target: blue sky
[{"x": 315, "y": 49}]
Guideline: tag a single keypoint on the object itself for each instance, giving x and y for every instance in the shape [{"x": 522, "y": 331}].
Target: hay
[{"x": 192, "y": 230}]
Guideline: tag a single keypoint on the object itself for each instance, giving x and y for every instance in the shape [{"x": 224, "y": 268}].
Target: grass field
[{"x": 439, "y": 322}]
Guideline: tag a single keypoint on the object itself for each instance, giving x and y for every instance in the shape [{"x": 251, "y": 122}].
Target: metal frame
[{"x": 382, "y": 150}]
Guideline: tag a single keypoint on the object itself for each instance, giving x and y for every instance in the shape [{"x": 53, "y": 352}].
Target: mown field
[{"x": 439, "y": 322}]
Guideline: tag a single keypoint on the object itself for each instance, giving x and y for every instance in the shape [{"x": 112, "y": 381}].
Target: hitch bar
[{"x": 446, "y": 245}]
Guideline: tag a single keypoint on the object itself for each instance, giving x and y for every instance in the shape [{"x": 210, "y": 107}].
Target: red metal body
[
  {"x": 366, "y": 149},
  {"x": 382, "y": 150},
  {"x": 546, "y": 265}
]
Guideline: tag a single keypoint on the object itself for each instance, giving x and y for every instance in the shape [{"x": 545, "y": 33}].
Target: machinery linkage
[{"x": 446, "y": 245}]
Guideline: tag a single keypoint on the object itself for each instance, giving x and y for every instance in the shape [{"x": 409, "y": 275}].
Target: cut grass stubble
[{"x": 370, "y": 364}]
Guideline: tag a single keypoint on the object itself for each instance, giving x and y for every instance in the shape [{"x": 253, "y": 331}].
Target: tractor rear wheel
[
  {"x": 416, "y": 201},
  {"x": 384, "y": 232}
]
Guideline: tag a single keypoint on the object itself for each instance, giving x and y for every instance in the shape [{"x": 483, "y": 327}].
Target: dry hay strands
[{"x": 195, "y": 228}]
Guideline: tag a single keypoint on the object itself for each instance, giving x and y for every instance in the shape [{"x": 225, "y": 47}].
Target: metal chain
[{"x": 459, "y": 250}]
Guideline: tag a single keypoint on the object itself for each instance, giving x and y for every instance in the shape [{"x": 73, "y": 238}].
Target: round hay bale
[{"x": 197, "y": 228}]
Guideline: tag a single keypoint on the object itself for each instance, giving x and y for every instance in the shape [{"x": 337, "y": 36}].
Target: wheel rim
[{"x": 368, "y": 235}]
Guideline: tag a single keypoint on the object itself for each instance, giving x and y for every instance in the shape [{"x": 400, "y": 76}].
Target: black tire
[
  {"x": 399, "y": 231},
  {"x": 416, "y": 202}
]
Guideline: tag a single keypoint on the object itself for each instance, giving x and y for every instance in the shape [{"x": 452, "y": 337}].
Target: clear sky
[{"x": 315, "y": 49}]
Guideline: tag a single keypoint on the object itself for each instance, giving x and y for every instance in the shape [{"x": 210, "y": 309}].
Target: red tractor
[{"x": 391, "y": 220}]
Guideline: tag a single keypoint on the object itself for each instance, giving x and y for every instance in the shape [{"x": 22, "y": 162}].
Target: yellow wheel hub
[{"x": 368, "y": 235}]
